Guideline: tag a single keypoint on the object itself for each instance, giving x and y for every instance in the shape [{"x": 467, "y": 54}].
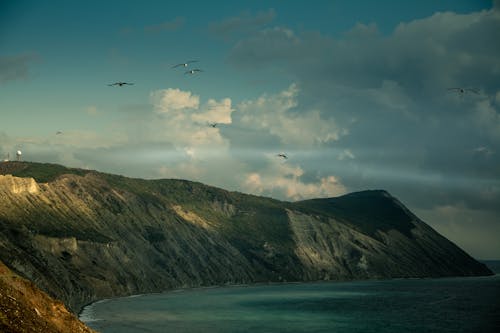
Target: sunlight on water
[{"x": 429, "y": 305}]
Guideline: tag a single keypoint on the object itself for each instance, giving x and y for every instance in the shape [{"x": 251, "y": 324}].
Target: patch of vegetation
[
  {"x": 154, "y": 235},
  {"x": 146, "y": 190},
  {"x": 41, "y": 172},
  {"x": 367, "y": 211}
]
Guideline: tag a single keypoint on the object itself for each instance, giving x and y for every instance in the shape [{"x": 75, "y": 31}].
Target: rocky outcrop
[
  {"x": 15, "y": 185},
  {"x": 83, "y": 235}
]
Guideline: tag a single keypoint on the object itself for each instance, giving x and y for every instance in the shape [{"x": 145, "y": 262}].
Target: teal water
[{"x": 409, "y": 305}]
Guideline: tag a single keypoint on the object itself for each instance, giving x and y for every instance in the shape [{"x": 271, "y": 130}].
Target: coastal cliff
[{"x": 82, "y": 235}]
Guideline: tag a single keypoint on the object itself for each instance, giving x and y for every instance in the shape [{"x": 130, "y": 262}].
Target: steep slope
[
  {"x": 26, "y": 309},
  {"x": 83, "y": 235},
  {"x": 388, "y": 240}
]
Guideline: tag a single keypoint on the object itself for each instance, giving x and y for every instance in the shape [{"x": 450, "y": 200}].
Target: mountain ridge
[{"x": 81, "y": 235}]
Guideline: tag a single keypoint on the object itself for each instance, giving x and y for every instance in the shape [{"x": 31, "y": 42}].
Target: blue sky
[{"x": 355, "y": 92}]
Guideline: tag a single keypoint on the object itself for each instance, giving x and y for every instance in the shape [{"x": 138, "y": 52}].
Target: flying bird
[
  {"x": 185, "y": 64},
  {"x": 463, "y": 91},
  {"x": 214, "y": 125},
  {"x": 59, "y": 132},
  {"x": 193, "y": 71},
  {"x": 120, "y": 84},
  {"x": 283, "y": 156}
]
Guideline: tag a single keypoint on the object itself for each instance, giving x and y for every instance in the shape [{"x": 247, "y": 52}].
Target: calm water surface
[{"x": 413, "y": 305}]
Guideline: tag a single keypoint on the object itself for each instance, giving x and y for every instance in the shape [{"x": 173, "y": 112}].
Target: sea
[{"x": 469, "y": 304}]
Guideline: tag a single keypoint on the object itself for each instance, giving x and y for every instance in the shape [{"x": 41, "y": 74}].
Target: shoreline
[{"x": 88, "y": 306}]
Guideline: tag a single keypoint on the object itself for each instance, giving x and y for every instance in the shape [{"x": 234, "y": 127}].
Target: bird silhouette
[
  {"x": 184, "y": 64},
  {"x": 283, "y": 156},
  {"x": 120, "y": 84},
  {"x": 462, "y": 91},
  {"x": 193, "y": 71}
]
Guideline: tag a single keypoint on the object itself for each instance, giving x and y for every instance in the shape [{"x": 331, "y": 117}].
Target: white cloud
[
  {"x": 216, "y": 112},
  {"x": 184, "y": 122},
  {"x": 283, "y": 180},
  {"x": 173, "y": 101},
  {"x": 275, "y": 114},
  {"x": 395, "y": 85}
]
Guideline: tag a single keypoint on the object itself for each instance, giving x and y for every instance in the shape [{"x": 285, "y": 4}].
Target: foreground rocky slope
[
  {"x": 26, "y": 309},
  {"x": 83, "y": 235}
]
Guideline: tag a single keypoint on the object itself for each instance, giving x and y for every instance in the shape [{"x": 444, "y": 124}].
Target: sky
[{"x": 355, "y": 93}]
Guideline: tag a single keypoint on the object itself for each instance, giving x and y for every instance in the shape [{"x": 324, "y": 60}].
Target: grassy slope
[
  {"x": 41, "y": 172},
  {"x": 367, "y": 211}
]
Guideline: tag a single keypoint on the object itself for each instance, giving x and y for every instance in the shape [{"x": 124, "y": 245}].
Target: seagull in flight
[
  {"x": 463, "y": 91},
  {"x": 59, "y": 132},
  {"x": 283, "y": 156},
  {"x": 214, "y": 125},
  {"x": 120, "y": 84},
  {"x": 185, "y": 64},
  {"x": 193, "y": 71}
]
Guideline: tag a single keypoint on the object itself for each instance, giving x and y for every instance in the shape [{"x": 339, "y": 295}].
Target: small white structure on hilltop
[
  {"x": 18, "y": 154},
  {"x": 7, "y": 158}
]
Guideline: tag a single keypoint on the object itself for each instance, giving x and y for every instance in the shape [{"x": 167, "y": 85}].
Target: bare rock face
[
  {"x": 81, "y": 235},
  {"x": 15, "y": 185}
]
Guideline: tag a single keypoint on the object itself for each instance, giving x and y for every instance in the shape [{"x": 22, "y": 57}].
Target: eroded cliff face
[
  {"x": 90, "y": 236},
  {"x": 331, "y": 250},
  {"x": 81, "y": 240},
  {"x": 15, "y": 185}
]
